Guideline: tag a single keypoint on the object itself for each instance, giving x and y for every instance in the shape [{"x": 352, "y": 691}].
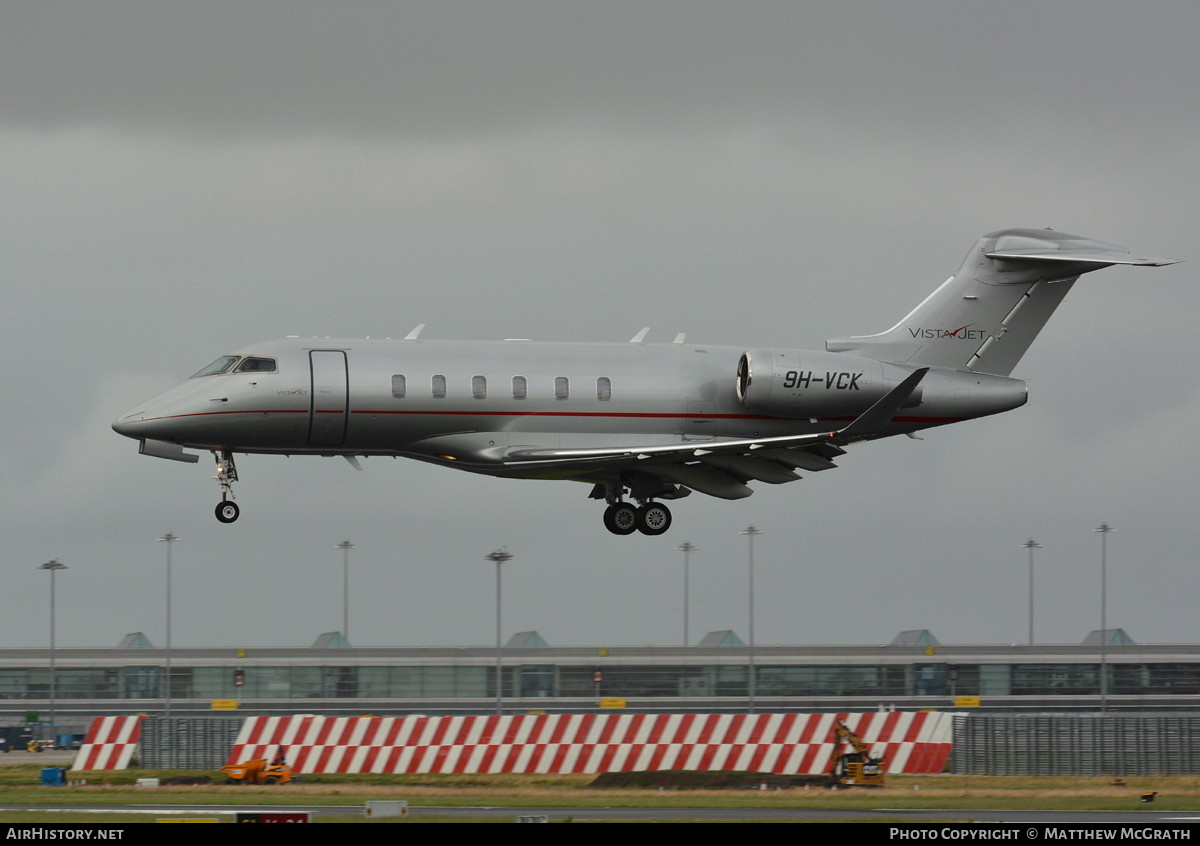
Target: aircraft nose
[{"x": 126, "y": 424}]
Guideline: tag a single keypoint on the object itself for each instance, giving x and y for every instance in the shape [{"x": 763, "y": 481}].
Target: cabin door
[{"x": 329, "y": 398}]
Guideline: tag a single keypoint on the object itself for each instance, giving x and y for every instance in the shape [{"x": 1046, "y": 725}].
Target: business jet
[{"x": 643, "y": 424}]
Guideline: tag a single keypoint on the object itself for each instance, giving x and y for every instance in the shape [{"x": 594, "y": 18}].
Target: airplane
[{"x": 643, "y": 424}]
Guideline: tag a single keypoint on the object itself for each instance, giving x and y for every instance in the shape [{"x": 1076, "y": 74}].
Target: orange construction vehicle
[
  {"x": 857, "y": 768},
  {"x": 259, "y": 771}
]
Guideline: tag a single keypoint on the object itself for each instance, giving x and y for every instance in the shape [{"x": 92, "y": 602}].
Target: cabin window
[
  {"x": 439, "y": 385},
  {"x": 254, "y": 364},
  {"x": 520, "y": 387},
  {"x": 562, "y": 387},
  {"x": 399, "y": 386},
  {"x": 479, "y": 387},
  {"x": 604, "y": 388}
]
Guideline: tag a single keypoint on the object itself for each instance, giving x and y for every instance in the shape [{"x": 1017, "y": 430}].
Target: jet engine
[{"x": 802, "y": 383}]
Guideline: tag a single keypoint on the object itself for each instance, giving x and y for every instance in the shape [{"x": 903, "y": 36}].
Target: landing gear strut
[{"x": 227, "y": 510}]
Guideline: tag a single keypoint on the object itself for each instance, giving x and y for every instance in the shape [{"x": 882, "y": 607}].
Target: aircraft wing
[{"x": 722, "y": 467}]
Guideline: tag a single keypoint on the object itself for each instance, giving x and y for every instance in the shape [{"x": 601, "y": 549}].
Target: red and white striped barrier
[
  {"x": 110, "y": 743},
  {"x": 592, "y": 743}
]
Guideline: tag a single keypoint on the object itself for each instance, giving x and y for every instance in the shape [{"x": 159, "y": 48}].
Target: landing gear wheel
[
  {"x": 621, "y": 519},
  {"x": 228, "y": 511},
  {"x": 653, "y": 518}
]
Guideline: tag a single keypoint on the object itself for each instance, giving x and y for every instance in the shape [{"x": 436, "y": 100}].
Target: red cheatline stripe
[{"x": 597, "y": 414}]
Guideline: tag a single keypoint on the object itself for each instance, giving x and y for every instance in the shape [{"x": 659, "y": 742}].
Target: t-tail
[{"x": 986, "y": 315}]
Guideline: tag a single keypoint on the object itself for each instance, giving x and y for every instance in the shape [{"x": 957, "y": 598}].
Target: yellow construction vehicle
[
  {"x": 258, "y": 771},
  {"x": 857, "y": 768}
]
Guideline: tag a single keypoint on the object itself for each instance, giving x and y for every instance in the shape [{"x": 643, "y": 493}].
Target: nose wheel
[{"x": 227, "y": 510}]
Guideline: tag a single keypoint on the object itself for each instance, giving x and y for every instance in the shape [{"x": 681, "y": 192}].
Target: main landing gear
[
  {"x": 652, "y": 518},
  {"x": 227, "y": 510},
  {"x": 649, "y": 516}
]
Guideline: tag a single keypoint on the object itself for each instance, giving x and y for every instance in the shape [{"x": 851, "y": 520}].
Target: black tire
[
  {"x": 228, "y": 511},
  {"x": 621, "y": 519},
  {"x": 653, "y": 518}
]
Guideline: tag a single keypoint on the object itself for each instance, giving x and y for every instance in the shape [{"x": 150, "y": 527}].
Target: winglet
[
  {"x": 415, "y": 333},
  {"x": 640, "y": 336},
  {"x": 882, "y": 412}
]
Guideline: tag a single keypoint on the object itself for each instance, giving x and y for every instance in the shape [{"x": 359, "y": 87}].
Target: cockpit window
[
  {"x": 253, "y": 364},
  {"x": 221, "y": 365}
]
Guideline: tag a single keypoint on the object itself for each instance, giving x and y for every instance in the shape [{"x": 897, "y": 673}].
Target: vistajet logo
[{"x": 962, "y": 333}]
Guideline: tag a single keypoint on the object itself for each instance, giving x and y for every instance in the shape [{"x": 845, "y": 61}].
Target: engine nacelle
[{"x": 816, "y": 385}]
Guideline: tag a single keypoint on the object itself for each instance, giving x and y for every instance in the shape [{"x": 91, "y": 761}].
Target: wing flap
[
  {"x": 705, "y": 479},
  {"x": 804, "y": 459},
  {"x": 745, "y": 467},
  {"x": 720, "y": 468},
  {"x": 651, "y": 454}
]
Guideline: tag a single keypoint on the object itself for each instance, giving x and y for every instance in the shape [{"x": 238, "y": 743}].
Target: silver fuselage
[{"x": 342, "y": 397}]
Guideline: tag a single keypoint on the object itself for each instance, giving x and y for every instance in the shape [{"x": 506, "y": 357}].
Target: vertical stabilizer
[{"x": 986, "y": 315}]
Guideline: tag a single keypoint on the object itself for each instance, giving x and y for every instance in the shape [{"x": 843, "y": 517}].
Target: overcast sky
[{"x": 179, "y": 180}]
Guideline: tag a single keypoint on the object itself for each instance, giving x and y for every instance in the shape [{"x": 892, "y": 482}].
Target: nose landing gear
[{"x": 227, "y": 510}]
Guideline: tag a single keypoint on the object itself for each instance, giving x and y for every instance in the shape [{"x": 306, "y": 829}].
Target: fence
[
  {"x": 1076, "y": 745},
  {"x": 186, "y": 744}
]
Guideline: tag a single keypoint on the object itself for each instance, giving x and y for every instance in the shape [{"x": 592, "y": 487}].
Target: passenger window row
[{"x": 520, "y": 387}]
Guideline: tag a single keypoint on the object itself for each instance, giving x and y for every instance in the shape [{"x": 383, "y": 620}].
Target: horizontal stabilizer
[{"x": 1092, "y": 256}]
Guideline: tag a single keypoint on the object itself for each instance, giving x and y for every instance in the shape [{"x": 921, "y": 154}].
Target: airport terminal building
[{"x": 720, "y": 675}]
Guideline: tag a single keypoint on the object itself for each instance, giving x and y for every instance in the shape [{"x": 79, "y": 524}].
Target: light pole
[
  {"x": 750, "y": 532},
  {"x": 345, "y": 546},
  {"x": 1105, "y": 530},
  {"x": 499, "y": 557},
  {"x": 1031, "y": 545},
  {"x": 53, "y": 565},
  {"x": 686, "y": 549},
  {"x": 169, "y": 539}
]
